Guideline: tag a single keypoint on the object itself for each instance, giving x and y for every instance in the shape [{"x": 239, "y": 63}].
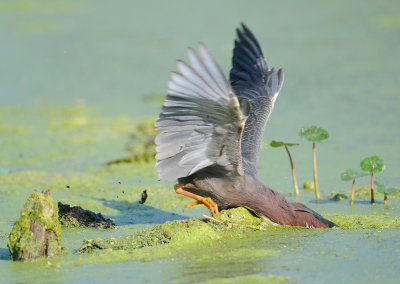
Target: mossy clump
[
  {"x": 375, "y": 221},
  {"x": 228, "y": 223},
  {"x": 181, "y": 232},
  {"x": 243, "y": 219},
  {"x": 338, "y": 196},
  {"x": 37, "y": 232}
]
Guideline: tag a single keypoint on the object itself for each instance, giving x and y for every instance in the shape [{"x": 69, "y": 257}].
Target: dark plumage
[
  {"x": 143, "y": 197},
  {"x": 212, "y": 131}
]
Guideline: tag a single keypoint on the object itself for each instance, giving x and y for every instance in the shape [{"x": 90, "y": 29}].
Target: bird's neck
[
  {"x": 267, "y": 203},
  {"x": 272, "y": 205}
]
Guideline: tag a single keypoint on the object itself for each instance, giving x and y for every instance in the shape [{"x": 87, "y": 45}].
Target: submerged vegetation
[
  {"x": 277, "y": 144},
  {"x": 314, "y": 134}
]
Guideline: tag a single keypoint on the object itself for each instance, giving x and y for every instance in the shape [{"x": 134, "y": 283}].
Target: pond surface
[{"x": 77, "y": 76}]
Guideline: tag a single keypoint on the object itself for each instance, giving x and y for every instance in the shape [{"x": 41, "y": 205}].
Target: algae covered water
[{"x": 80, "y": 78}]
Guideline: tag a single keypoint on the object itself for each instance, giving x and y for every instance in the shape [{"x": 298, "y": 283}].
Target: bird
[{"x": 211, "y": 130}]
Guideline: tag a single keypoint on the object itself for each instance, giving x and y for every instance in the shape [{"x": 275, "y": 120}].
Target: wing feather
[
  {"x": 201, "y": 121},
  {"x": 252, "y": 80}
]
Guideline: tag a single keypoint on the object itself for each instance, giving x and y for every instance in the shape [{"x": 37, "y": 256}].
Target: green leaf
[
  {"x": 374, "y": 164},
  {"x": 277, "y": 144},
  {"x": 314, "y": 133},
  {"x": 351, "y": 174}
]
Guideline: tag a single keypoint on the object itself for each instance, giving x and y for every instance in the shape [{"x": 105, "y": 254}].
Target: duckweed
[
  {"x": 353, "y": 222},
  {"x": 230, "y": 223}
]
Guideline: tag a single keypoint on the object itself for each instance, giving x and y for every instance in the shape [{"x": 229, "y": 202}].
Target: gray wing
[
  {"x": 251, "y": 79},
  {"x": 201, "y": 121}
]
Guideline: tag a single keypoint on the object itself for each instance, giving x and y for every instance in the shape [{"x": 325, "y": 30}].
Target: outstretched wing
[
  {"x": 201, "y": 121},
  {"x": 252, "y": 80}
]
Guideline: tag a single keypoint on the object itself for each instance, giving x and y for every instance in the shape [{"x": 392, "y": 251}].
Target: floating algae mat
[
  {"x": 157, "y": 240},
  {"x": 165, "y": 239},
  {"x": 183, "y": 232}
]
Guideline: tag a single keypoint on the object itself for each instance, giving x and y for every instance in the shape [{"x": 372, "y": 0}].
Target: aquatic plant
[
  {"x": 352, "y": 175},
  {"x": 277, "y": 144},
  {"x": 314, "y": 134},
  {"x": 374, "y": 164},
  {"x": 380, "y": 187}
]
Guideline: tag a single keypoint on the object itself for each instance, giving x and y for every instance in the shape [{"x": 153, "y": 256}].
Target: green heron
[{"x": 211, "y": 132}]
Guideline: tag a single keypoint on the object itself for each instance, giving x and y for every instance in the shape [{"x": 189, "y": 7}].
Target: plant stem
[
  {"x": 372, "y": 189},
  {"x": 352, "y": 192},
  {"x": 296, "y": 188},
  {"x": 384, "y": 198},
  {"x": 315, "y": 173}
]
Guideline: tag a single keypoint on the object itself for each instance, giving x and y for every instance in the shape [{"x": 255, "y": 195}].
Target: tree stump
[{"x": 37, "y": 232}]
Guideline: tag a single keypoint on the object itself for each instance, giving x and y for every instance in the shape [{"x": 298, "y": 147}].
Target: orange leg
[{"x": 211, "y": 205}]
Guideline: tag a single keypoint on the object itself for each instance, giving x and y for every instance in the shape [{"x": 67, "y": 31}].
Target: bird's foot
[{"x": 211, "y": 205}]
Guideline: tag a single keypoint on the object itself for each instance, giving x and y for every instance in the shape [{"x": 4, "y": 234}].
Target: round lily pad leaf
[
  {"x": 314, "y": 133},
  {"x": 277, "y": 144},
  {"x": 351, "y": 174},
  {"x": 374, "y": 164}
]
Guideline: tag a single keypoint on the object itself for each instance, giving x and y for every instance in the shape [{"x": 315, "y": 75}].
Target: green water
[{"x": 72, "y": 80}]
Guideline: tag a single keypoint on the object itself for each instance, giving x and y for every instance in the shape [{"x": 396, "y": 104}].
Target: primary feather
[
  {"x": 201, "y": 121},
  {"x": 252, "y": 80}
]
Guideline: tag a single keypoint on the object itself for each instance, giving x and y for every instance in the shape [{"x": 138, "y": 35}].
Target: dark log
[{"x": 76, "y": 216}]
